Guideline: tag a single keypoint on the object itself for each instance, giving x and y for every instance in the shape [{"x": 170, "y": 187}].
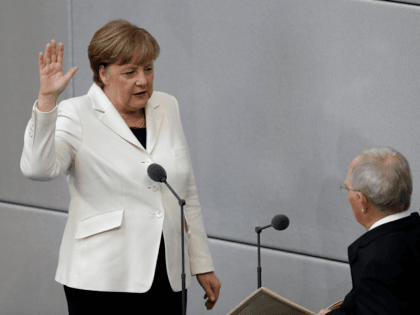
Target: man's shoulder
[
  {"x": 408, "y": 224},
  {"x": 397, "y": 243},
  {"x": 405, "y": 229}
]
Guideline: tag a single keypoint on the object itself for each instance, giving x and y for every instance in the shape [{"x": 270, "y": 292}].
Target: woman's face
[{"x": 129, "y": 86}]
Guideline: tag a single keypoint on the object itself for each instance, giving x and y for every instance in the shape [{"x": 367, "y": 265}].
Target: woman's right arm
[{"x": 53, "y": 134}]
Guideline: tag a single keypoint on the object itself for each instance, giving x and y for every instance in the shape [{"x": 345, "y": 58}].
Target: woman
[{"x": 121, "y": 246}]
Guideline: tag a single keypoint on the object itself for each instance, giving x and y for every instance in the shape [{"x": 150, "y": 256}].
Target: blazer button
[
  {"x": 155, "y": 187},
  {"x": 159, "y": 214}
]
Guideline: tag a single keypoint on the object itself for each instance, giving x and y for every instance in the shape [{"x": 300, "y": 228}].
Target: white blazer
[{"x": 117, "y": 214}]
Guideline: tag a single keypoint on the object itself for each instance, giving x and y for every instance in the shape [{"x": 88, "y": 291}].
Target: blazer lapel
[
  {"x": 154, "y": 118},
  {"x": 112, "y": 118},
  {"x": 352, "y": 250}
]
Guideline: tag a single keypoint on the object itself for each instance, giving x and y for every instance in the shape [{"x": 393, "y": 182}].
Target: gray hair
[{"x": 383, "y": 176}]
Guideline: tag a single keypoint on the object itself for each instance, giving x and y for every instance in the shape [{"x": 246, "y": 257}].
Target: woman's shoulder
[
  {"x": 78, "y": 100},
  {"x": 162, "y": 97}
]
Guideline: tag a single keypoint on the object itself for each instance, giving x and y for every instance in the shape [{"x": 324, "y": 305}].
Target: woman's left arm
[
  {"x": 198, "y": 249},
  {"x": 201, "y": 263}
]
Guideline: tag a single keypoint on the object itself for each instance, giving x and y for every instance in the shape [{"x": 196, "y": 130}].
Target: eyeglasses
[{"x": 344, "y": 189}]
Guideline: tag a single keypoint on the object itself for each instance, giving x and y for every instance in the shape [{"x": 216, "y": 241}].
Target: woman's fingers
[
  {"x": 53, "y": 81},
  {"x": 51, "y": 55},
  {"x": 53, "y": 51},
  {"x": 46, "y": 48},
  {"x": 41, "y": 61},
  {"x": 60, "y": 53},
  {"x": 47, "y": 58},
  {"x": 71, "y": 73}
]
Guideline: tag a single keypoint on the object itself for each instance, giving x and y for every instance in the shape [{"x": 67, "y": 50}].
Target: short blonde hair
[{"x": 116, "y": 42}]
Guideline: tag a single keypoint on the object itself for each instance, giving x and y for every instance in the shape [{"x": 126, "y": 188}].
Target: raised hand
[{"x": 53, "y": 81}]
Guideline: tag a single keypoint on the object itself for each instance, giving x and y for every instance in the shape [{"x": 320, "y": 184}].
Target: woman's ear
[{"x": 103, "y": 74}]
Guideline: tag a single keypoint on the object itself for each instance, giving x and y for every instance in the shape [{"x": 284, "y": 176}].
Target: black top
[{"x": 140, "y": 135}]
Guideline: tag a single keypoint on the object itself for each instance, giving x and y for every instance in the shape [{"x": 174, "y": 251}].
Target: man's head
[{"x": 379, "y": 183}]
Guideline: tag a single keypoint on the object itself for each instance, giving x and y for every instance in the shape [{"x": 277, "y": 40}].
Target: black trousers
[{"x": 160, "y": 299}]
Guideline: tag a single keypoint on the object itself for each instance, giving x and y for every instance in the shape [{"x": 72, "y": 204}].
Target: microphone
[
  {"x": 158, "y": 174},
  {"x": 279, "y": 222}
]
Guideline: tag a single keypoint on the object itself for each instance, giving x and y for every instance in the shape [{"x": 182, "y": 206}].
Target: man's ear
[
  {"x": 364, "y": 202},
  {"x": 103, "y": 74}
]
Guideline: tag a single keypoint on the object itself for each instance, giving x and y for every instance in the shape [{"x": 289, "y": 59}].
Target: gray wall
[{"x": 276, "y": 99}]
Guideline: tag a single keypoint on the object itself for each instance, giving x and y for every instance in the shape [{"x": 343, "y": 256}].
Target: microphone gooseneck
[
  {"x": 279, "y": 222},
  {"x": 158, "y": 174}
]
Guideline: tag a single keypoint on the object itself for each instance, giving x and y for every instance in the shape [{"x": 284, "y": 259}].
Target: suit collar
[
  {"x": 112, "y": 118},
  {"x": 370, "y": 236}
]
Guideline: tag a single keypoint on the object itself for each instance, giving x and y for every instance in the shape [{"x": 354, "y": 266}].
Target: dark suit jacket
[{"x": 385, "y": 270}]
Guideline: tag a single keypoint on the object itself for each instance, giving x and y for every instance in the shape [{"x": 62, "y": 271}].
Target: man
[{"x": 385, "y": 261}]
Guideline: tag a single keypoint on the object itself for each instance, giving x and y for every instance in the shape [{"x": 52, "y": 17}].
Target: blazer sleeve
[
  {"x": 347, "y": 307},
  {"x": 198, "y": 248},
  {"x": 340, "y": 312},
  {"x": 51, "y": 142}
]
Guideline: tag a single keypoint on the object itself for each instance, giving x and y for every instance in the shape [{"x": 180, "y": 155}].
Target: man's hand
[
  {"x": 211, "y": 285},
  {"x": 323, "y": 312}
]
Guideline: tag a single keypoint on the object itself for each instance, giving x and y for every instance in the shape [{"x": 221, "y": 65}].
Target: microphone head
[
  {"x": 280, "y": 222},
  {"x": 156, "y": 172}
]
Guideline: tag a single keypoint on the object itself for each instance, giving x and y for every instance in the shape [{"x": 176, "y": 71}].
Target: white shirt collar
[{"x": 390, "y": 218}]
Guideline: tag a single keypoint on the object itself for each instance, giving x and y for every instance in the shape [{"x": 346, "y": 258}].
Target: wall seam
[
  {"x": 209, "y": 236},
  {"x": 404, "y": 3},
  {"x": 277, "y": 249},
  {"x": 31, "y": 206}
]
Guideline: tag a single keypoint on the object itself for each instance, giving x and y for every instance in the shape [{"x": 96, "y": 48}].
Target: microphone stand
[
  {"x": 258, "y": 230},
  {"x": 181, "y": 202}
]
